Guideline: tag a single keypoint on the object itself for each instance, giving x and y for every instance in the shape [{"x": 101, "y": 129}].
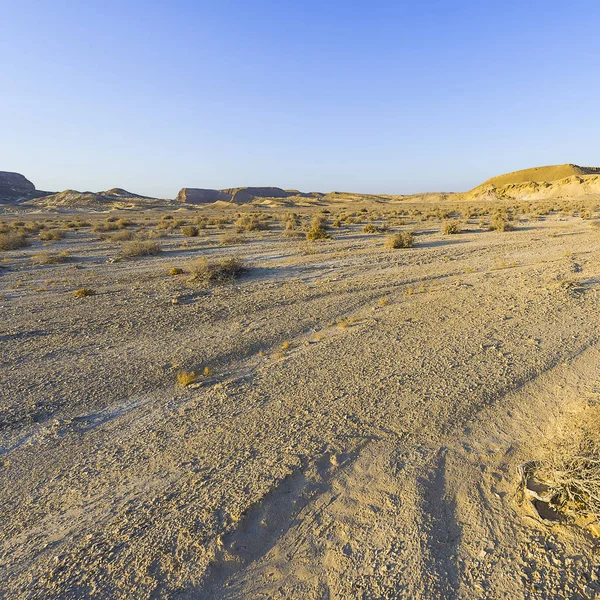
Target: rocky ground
[{"x": 357, "y": 433}]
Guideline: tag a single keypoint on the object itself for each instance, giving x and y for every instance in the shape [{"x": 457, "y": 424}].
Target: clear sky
[{"x": 374, "y": 96}]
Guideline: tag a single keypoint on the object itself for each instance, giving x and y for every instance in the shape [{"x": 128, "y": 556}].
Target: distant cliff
[
  {"x": 16, "y": 188},
  {"x": 240, "y": 195}
]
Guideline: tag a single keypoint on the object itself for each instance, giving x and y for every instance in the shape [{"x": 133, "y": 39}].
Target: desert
[{"x": 304, "y": 395}]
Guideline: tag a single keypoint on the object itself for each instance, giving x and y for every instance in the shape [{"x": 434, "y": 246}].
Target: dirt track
[{"x": 373, "y": 458}]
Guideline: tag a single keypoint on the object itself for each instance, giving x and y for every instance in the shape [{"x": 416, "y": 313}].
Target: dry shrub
[
  {"x": 216, "y": 271},
  {"x": 52, "y": 234},
  {"x": 12, "y": 241},
  {"x": 83, "y": 293},
  {"x": 318, "y": 228},
  {"x": 403, "y": 239},
  {"x": 141, "y": 248},
  {"x": 119, "y": 236},
  {"x": 185, "y": 378},
  {"x": 571, "y": 469},
  {"x": 451, "y": 227},
  {"x": 500, "y": 223},
  {"x": 108, "y": 226},
  {"x": 230, "y": 239},
  {"x": 50, "y": 258},
  {"x": 250, "y": 223},
  {"x": 122, "y": 223},
  {"x": 190, "y": 231},
  {"x": 175, "y": 271}
]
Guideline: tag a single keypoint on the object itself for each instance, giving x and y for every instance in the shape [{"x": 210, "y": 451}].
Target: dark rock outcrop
[
  {"x": 201, "y": 196},
  {"x": 240, "y": 195},
  {"x": 15, "y": 188}
]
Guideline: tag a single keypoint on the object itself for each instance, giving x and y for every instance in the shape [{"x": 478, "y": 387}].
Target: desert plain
[{"x": 335, "y": 419}]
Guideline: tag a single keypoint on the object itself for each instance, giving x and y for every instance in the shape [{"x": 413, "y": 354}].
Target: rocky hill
[
  {"x": 113, "y": 198},
  {"x": 16, "y": 188}
]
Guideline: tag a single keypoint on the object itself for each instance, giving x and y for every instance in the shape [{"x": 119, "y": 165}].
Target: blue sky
[{"x": 380, "y": 96}]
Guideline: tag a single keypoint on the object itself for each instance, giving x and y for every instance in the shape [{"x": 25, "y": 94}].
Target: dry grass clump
[
  {"x": 571, "y": 469},
  {"x": 403, "y": 239},
  {"x": 250, "y": 223},
  {"x": 291, "y": 225},
  {"x": 52, "y": 235},
  {"x": 84, "y": 293},
  {"x": 12, "y": 241},
  {"x": 175, "y": 271},
  {"x": 500, "y": 223},
  {"x": 230, "y": 239},
  {"x": 118, "y": 236},
  {"x": 140, "y": 248},
  {"x": 50, "y": 258},
  {"x": 370, "y": 228},
  {"x": 216, "y": 271},
  {"x": 190, "y": 230},
  {"x": 451, "y": 227},
  {"x": 318, "y": 228},
  {"x": 185, "y": 378}
]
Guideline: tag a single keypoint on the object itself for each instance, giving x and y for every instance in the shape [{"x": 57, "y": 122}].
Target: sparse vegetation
[
  {"x": 451, "y": 227},
  {"x": 318, "y": 228},
  {"x": 118, "y": 236},
  {"x": 403, "y": 239},
  {"x": 250, "y": 223},
  {"x": 51, "y": 235},
  {"x": 571, "y": 468},
  {"x": 12, "y": 241},
  {"x": 50, "y": 258},
  {"x": 190, "y": 230},
  {"x": 185, "y": 378},
  {"x": 84, "y": 292},
  {"x": 140, "y": 248},
  {"x": 216, "y": 271},
  {"x": 500, "y": 223}
]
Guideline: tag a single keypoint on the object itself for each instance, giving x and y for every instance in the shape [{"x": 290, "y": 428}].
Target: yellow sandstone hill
[{"x": 556, "y": 181}]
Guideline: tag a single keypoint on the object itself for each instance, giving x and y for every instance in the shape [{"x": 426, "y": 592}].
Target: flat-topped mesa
[
  {"x": 15, "y": 188},
  {"x": 240, "y": 195},
  {"x": 201, "y": 196}
]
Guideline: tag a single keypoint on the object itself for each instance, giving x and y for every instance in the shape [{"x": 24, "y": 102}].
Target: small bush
[
  {"x": 230, "y": 239},
  {"x": 318, "y": 228},
  {"x": 250, "y": 223},
  {"x": 12, "y": 241},
  {"x": 499, "y": 223},
  {"x": 216, "y": 271},
  {"x": 50, "y": 258},
  {"x": 451, "y": 227},
  {"x": 83, "y": 293},
  {"x": 51, "y": 235},
  {"x": 118, "y": 236},
  {"x": 141, "y": 248},
  {"x": 185, "y": 378},
  {"x": 122, "y": 223},
  {"x": 190, "y": 231},
  {"x": 403, "y": 239},
  {"x": 175, "y": 271}
]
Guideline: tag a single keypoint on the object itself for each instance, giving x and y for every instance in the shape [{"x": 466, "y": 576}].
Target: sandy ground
[{"x": 375, "y": 457}]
